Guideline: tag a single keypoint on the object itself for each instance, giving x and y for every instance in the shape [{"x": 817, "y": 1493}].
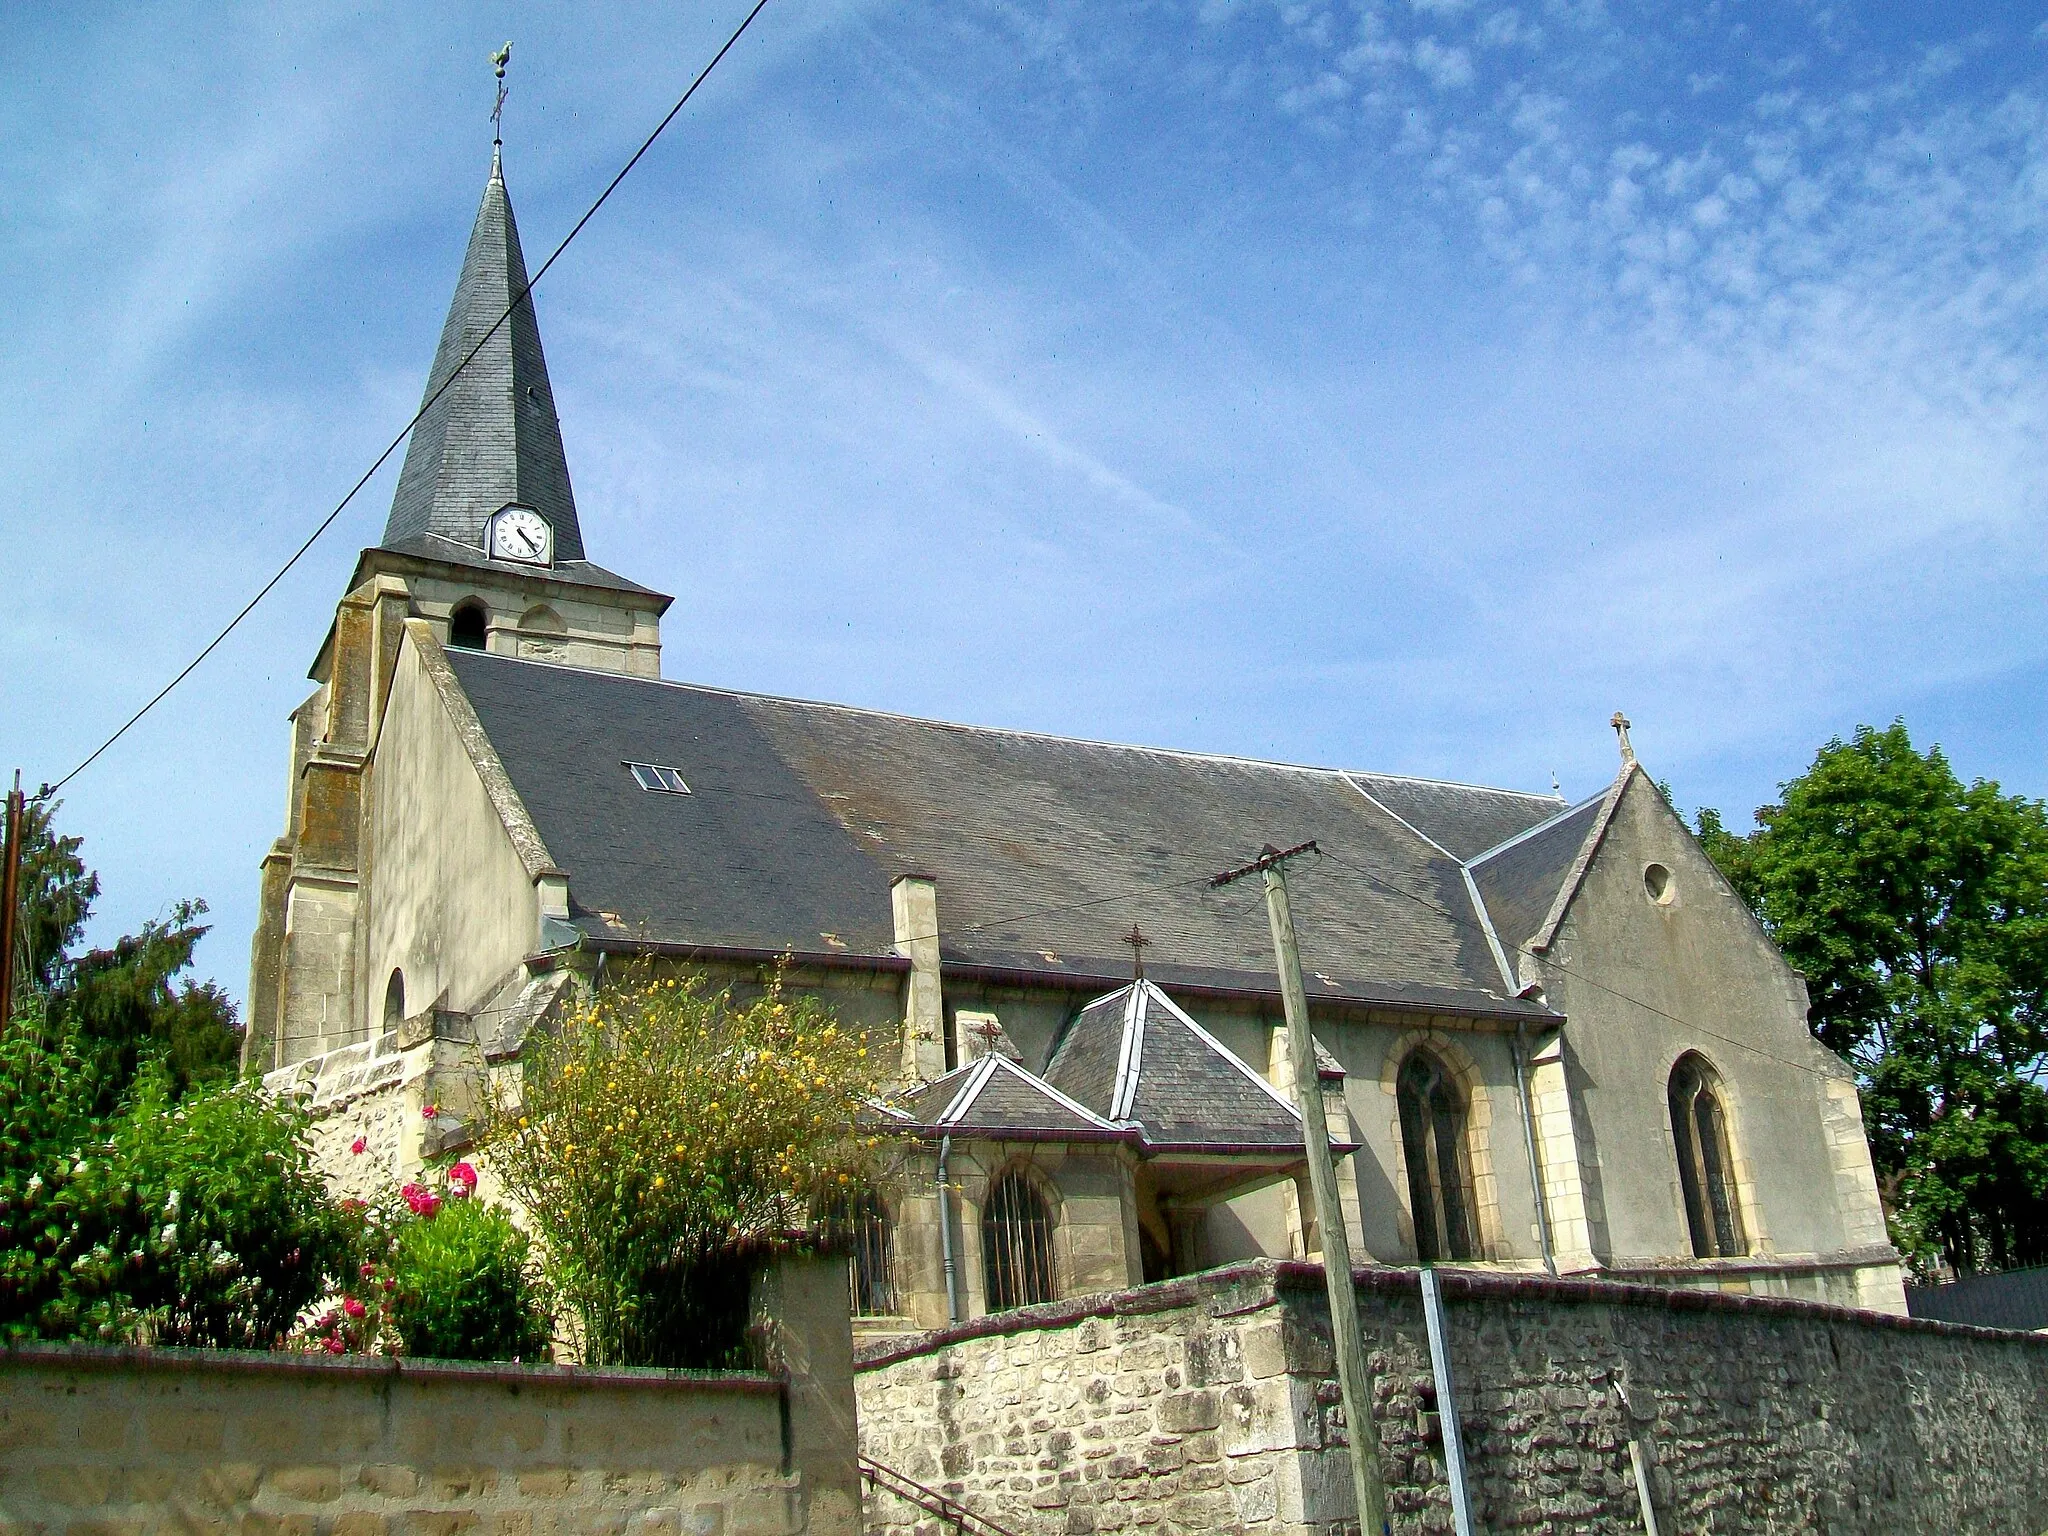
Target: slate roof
[
  {"x": 996, "y": 1097},
  {"x": 1463, "y": 819},
  {"x": 493, "y": 437},
  {"x": 1136, "y": 1057},
  {"x": 1519, "y": 881},
  {"x": 1044, "y": 850}
]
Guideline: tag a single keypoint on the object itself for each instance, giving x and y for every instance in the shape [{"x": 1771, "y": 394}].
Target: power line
[{"x": 392, "y": 447}]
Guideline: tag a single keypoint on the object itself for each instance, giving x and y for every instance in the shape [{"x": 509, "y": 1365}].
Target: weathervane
[{"x": 499, "y": 60}]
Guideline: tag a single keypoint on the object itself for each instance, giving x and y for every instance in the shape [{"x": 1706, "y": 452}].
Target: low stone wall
[
  {"x": 1208, "y": 1405},
  {"x": 105, "y": 1442}
]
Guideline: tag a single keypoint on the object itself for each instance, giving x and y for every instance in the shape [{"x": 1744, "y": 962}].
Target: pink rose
[
  {"x": 462, "y": 1181},
  {"x": 428, "y": 1111},
  {"x": 369, "y": 1270},
  {"x": 360, "y": 1145},
  {"x": 353, "y": 1307},
  {"x": 335, "y": 1346}
]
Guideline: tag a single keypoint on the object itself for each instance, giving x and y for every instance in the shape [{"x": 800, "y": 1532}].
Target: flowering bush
[
  {"x": 661, "y": 1138},
  {"x": 202, "y": 1222},
  {"x": 441, "y": 1276}
]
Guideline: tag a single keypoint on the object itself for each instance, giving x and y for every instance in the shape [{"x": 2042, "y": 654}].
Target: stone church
[{"x": 1551, "y": 1039}]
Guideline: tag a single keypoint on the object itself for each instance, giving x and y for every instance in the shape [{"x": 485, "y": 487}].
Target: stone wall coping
[
  {"x": 1256, "y": 1283},
  {"x": 250, "y": 1362}
]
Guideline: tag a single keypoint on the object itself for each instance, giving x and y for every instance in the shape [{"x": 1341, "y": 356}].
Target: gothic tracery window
[
  {"x": 1433, "y": 1140},
  {"x": 1016, "y": 1243},
  {"x": 1699, "y": 1128}
]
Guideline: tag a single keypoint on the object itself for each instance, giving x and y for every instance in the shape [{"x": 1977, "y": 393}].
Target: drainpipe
[
  {"x": 946, "y": 1233},
  {"x": 1529, "y": 1144}
]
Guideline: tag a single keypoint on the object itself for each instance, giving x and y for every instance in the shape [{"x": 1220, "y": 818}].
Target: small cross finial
[
  {"x": 1620, "y": 724},
  {"x": 498, "y": 62},
  {"x": 1139, "y": 944}
]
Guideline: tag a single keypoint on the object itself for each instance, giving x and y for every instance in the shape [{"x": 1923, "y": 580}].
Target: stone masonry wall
[
  {"x": 1208, "y": 1405},
  {"x": 114, "y": 1443}
]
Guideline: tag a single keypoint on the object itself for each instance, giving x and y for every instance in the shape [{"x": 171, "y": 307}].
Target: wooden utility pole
[
  {"x": 10, "y": 901},
  {"x": 1352, "y": 1377}
]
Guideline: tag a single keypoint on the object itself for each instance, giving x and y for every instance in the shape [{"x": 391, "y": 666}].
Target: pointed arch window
[
  {"x": 1439, "y": 1180},
  {"x": 1706, "y": 1164},
  {"x": 394, "y": 1001},
  {"x": 1016, "y": 1243}
]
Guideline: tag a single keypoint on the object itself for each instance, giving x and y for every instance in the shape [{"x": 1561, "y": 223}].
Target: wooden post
[
  {"x": 10, "y": 900},
  {"x": 1353, "y": 1379}
]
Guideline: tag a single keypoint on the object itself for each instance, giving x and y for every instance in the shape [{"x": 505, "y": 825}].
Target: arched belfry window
[
  {"x": 1706, "y": 1163},
  {"x": 1433, "y": 1139},
  {"x": 394, "y": 1001},
  {"x": 1016, "y": 1243},
  {"x": 466, "y": 626},
  {"x": 860, "y": 1224}
]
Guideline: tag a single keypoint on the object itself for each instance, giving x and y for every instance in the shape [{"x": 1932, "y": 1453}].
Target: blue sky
[{"x": 1401, "y": 386}]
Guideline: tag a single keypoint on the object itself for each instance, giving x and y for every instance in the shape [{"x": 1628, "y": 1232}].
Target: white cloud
[{"x": 1446, "y": 68}]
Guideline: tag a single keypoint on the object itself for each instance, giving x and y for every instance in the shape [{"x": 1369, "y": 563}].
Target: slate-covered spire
[{"x": 493, "y": 437}]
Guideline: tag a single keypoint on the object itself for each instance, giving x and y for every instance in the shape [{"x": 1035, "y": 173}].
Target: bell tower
[{"x": 483, "y": 542}]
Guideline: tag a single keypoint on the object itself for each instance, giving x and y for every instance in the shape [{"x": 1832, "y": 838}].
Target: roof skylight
[{"x": 657, "y": 779}]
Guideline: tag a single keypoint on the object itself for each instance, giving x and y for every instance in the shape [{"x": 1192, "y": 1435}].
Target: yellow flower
[{"x": 658, "y": 1181}]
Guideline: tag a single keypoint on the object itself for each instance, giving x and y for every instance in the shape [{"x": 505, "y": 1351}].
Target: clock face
[{"x": 520, "y": 533}]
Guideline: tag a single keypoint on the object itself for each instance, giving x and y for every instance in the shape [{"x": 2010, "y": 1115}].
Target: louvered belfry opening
[
  {"x": 1699, "y": 1127},
  {"x": 1016, "y": 1243},
  {"x": 859, "y": 1224},
  {"x": 1433, "y": 1139}
]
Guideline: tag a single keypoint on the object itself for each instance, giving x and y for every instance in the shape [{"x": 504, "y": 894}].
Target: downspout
[
  {"x": 1529, "y": 1144},
  {"x": 946, "y": 1233}
]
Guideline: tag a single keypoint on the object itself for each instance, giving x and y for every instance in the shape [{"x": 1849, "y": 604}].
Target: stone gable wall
[{"x": 1209, "y": 1405}]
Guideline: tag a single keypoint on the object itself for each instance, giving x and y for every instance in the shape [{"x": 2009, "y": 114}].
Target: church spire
[{"x": 492, "y": 439}]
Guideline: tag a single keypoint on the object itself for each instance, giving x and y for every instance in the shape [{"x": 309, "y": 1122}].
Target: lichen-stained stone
[{"x": 1752, "y": 1415}]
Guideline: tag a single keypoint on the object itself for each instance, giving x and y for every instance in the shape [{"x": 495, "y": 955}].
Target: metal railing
[{"x": 963, "y": 1520}]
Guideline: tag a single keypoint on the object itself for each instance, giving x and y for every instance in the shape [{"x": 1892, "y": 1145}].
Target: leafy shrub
[
  {"x": 434, "y": 1274},
  {"x": 661, "y": 1139},
  {"x": 195, "y": 1222},
  {"x": 462, "y": 1289}
]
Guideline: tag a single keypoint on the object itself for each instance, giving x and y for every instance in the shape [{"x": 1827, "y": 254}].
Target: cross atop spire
[
  {"x": 1139, "y": 944},
  {"x": 492, "y": 438}
]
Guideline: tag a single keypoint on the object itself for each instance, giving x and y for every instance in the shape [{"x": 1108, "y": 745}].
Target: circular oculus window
[{"x": 1657, "y": 884}]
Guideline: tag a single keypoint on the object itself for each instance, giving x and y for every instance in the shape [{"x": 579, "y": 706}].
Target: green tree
[
  {"x": 112, "y": 1010},
  {"x": 1917, "y": 907}
]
